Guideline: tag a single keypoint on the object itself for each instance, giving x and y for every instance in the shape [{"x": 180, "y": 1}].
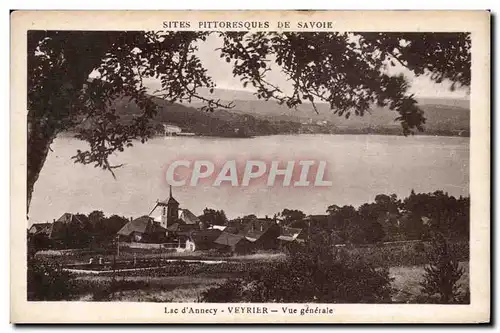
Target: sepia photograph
[{"x": 248, "y": 161}]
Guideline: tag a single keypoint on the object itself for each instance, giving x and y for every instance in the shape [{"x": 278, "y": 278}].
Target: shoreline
[{"x": 71, "y": 134}]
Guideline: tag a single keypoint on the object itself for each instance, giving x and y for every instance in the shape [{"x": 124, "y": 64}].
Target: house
[
  {"x": 179, "y": 233},
  {"x": 236, "y": 226},
  {"x": 182, "y": 229},
  {"x": 263, "y": 233},
  {"x": 319, "y": 219},
  {"x": 233, "y": 243},
  {"x": 68, "y": 218},
  {"x": 38, "y": 235},
  {"x": 40, "y": 228},
  {"x": 290, "y": 238},
  {"x": 68, "y": 230},
  {"x": 313, "y": 222},
  {"x": 289, "y": 234},
  {"x": 188, "y": 217},
  {"x": 68, "y": 227},
  {"x": 218, "y": 227},
  {"x": 143, "y": 229},
  {"x": 202, "y": 240},
  {"x": 169, "y": 130}
]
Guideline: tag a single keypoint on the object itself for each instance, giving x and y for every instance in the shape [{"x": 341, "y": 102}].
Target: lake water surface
[{"x": 359, "y": 167}]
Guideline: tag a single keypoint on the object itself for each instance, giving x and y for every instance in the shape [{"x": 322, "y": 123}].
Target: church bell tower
[{"x": 170, "y": 211}]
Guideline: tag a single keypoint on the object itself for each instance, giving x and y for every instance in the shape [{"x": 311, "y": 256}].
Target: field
[
  {"x": 82, "y": 256},
  {"x": 182, "y": 277},
  {"x": 187, "y": 288}
]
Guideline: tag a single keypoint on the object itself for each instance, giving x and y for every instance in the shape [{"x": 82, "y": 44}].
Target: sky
[{"x": 221, "y": 72}]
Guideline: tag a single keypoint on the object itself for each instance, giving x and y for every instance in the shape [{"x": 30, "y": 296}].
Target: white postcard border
[{"x": 476, "y": 22}]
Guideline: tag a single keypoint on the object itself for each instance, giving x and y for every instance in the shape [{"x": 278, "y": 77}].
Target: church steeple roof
[{"x": 171, "y": 200}]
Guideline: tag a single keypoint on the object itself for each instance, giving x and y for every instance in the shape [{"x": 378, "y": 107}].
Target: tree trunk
[{"x": 39, "y": 140}]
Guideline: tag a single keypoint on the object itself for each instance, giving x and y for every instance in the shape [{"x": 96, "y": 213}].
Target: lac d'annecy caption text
[{"x": 301, "y": 310}]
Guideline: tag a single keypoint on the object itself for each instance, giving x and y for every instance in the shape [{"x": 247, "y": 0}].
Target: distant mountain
[
  {"x": 225, "y": 123},
  {"x": 228, "y": 94},
  {"x": 463, "y": 103},
  {"x": 251, "y": 116},
  {"x": 247, "y": 95},
  {"x": 441, "y": 114},
  {"x": 439, "y": 111}
]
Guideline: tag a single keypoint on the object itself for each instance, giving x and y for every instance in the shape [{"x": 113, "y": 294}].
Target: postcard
[{"x": 250, "y": 167}]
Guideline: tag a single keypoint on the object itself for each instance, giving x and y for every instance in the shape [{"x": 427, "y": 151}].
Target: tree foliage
[
  {"x": 288, "y": 216},
  {"x": 102, "y": 228},
  {"x": 48, "y": 282},
  {"x": 346, "y": 70},
  {"x": 391, "y": 219},
  {"x": 92, "y": 230},
  {"x": 214, "y": 217},
  {"x": 441, "y": 277},
  {"x": 315, "y": 273},
  {"x": 444, "y": 56}
]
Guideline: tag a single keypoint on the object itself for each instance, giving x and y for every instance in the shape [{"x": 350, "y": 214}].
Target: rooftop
[
  {"x": 229, "y": 239},
  {"x": 143, "y": 225}
]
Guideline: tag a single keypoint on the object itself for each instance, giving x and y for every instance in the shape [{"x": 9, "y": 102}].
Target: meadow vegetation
[{"x": 378, "y": 273}]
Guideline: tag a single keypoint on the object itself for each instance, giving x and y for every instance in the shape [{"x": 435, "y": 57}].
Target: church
[
  {"x": 174, "y": 224},
  {"x": 172, "y": 214}
]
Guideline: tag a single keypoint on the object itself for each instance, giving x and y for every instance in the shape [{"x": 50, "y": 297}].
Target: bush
[
  {"x": 441, "y": 277},
  {"x": 419, "y": 247},
  {"x": 49, "y": 282},
  {"x": 104, "y": 291},
  {"x": 313, "y": 273},
  {"x": 229, "y": 291},
  {"x": 217, "y": 253}
]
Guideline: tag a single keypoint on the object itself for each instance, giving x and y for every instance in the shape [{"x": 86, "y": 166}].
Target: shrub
[
  {"x": 313, "y": 273},
  {"x": 49, "y": 282},
  {"x": 419, "y": 247},
  {"x": 217, "y": 253},
  {"x": 440, "y": 284},
  {"x": 104, "y": 291},
  {"x": 229, "y": 291}
]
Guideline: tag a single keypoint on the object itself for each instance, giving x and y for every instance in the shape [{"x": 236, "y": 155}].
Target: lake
[{"x": 359, "y": 167}]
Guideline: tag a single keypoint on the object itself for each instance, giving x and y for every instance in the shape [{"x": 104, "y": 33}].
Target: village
[
  {"x": 177, "y": 229},
  {"x": 170, "y": 254}
]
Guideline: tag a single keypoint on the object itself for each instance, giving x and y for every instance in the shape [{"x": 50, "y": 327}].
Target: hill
[
  {"x": 255, "y": 117},
  {"x": 444, "y": 116},
  {"x": 225, "y": 123}
]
